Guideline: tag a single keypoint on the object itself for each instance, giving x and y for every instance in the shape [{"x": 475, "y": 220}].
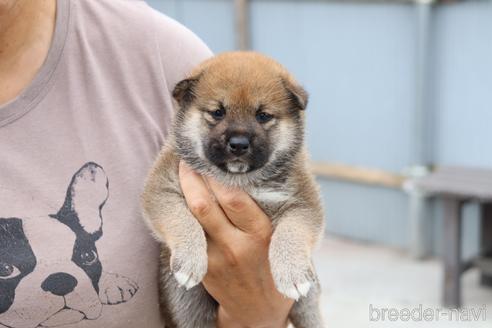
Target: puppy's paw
[
  {"x": 291, "y": 268},
  {"x": 189, "y": 267},
  {"x": 294, "y": 280},
  {"x": 116, "y": 289}
]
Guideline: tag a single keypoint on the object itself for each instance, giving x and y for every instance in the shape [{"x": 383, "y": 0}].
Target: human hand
[{"x": 238, "y": 238}]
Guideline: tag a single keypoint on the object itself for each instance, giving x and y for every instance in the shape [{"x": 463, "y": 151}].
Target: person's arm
[
  {"x": 179, "y": 50},
  {"x": 238, "y": 275}
]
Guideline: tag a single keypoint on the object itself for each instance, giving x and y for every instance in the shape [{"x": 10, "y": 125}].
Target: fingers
[
  {"x": 241, "y": 209},
  {"x": 202, "y": 204}
]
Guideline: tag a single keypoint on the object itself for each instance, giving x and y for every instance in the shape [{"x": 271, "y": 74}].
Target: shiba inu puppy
[{"x": 239, "y": 119}]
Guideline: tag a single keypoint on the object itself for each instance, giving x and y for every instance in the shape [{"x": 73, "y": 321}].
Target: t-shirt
[{"x": 75, "y": 148}]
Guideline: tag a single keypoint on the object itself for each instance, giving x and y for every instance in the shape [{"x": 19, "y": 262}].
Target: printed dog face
[
  {"x": 240, "y": 114},
  {"x": 50, "y": 271}
]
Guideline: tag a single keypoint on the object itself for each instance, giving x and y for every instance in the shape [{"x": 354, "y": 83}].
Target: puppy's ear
[
  {"x": 86, "y": 196},
  {"x": 183, "y": 92},
  {"x": 297, "y": 95}
]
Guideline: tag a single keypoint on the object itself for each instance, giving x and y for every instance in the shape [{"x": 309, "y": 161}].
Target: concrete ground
[{"x": 355, "y": 276}]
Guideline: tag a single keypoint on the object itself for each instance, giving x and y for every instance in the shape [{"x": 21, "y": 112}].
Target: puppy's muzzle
[{"x": 238, "y": 145}]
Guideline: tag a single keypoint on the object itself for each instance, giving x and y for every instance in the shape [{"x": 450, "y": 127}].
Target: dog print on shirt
[{"x": 57, "y": 278}]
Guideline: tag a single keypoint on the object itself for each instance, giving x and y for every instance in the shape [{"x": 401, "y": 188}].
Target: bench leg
[
  {"x": 420, "y": 226},
  {"x": 486, "y": 240},
  {"x": 452, "y": 252}
]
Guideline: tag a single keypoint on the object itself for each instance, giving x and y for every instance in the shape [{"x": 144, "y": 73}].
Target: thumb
[{"x": 241, "y": 209}]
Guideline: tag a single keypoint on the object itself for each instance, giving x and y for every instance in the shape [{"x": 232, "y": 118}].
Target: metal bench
[{"x": 454, "y": 186}]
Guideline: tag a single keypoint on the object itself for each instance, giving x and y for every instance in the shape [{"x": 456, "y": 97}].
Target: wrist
[{"x": 224, "y": 320}]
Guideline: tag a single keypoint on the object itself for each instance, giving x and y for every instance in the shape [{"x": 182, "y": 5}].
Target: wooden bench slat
[
  {"x": 458, "y": 181},
  {"x": 484, "y": 264}
]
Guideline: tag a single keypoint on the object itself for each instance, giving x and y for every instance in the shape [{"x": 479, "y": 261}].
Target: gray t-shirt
[{"x": 75, "y": 148}]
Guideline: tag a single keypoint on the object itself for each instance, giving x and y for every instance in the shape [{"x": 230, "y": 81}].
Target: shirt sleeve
[{"x": 180, "y": 50}]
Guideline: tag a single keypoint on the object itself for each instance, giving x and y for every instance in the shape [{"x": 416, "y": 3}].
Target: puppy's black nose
[
  {"x": 59, "y": 283},
  {"x": 238, "y": 145}
]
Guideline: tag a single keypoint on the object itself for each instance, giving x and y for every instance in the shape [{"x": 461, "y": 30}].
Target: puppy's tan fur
[{"x": 244, "y": 83}]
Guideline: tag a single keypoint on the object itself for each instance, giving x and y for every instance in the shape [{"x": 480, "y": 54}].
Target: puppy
[{"x": 239, "y": 119}]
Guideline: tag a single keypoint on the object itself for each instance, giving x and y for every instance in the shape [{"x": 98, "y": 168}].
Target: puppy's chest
[{"x": 271, "y": 199}]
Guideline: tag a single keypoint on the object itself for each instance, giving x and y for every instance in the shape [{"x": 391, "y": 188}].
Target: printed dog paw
[{"x": 116, "y": 289}]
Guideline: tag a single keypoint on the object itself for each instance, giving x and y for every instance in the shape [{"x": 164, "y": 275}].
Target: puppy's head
[{"x": 240, "y": 117}]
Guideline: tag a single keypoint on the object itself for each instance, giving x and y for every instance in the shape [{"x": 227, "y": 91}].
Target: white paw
[
  {"x": 293, "y": 279},
  {"x": 185, "y": 279},
  {"x": 297, "y": 290},
  {"x": 189, "y": 268}
]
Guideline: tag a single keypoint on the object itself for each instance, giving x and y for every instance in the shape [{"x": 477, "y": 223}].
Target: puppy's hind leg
[
  {"x": 181, "y": 308},
  {"x": 306, "y": 311}
]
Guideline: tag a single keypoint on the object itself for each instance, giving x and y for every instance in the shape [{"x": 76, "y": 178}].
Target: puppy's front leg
[
  {"x": 172, "y": 223},
  {"x": 188, "y": 247},
  {"x": 290, "y": 259},
  {"x": 292, "y": 241}
]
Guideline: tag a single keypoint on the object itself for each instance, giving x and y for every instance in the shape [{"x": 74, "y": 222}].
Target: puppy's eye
[
  {"x": 218, "y": 114},
  {"x": 8, "y": 271},
  {"x": 263, "y": 117}
]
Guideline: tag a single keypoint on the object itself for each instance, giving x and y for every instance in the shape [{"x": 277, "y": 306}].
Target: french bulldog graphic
[{"x": 50, "y": 271}]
